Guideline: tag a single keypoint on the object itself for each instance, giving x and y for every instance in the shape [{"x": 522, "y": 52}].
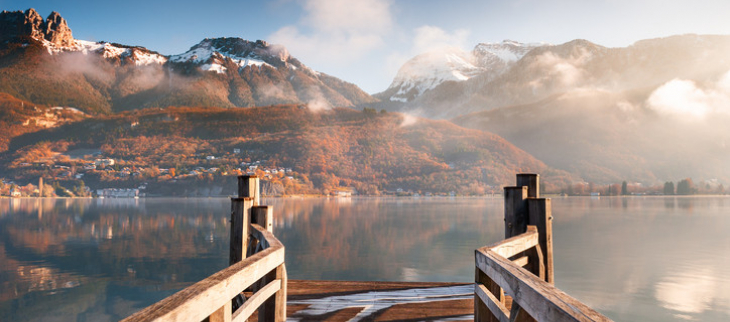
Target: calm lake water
[{"x": 633, "y": 259}]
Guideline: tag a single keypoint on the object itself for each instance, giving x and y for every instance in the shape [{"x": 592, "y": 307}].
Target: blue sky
[{"x": 366, "y": 41}]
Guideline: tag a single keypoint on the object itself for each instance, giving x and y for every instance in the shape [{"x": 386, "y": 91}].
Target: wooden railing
[
  {"x": 518, "y": 271},
  {"x": 256, "y": 269}
]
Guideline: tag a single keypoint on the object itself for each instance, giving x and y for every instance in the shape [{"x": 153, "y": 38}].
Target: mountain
[
  {"x": 41, "y": 62},
  {"x": 607, "y": 137},
  {"x": 448, "y": 66},
  {"x": 326, "y": 150},
  {"x": 546, "y": 70}
]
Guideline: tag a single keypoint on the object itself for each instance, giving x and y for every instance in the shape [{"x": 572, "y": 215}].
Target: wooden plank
[
  {"x": 280, "y": 306},
  {"x": 495, "y": 306},
  {"x": 540, "y": 215},
  {"x": 240, "y": 208},
  {"x": 255, "y": 301},
  {"x": 531, "y": 181},
  {"x": 517, "y": 314},
  {"x": 539, "y": 299},
  {"x": 248, "y": 186},
  {"x": 517, "y": 244},
  {"x": 515, "y": 211},
  {"x": 222, "y": 315},
  {"x": 263, "y": 216},
  {"x": 522, "y": 261},
  {"x": 201, "y": 299}
]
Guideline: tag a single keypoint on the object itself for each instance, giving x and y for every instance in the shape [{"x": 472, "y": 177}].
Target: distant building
[
  {"x": 210, "y": 157},
  {"x": 103, "y": 163},
  {"x": 237, "y": 151}
]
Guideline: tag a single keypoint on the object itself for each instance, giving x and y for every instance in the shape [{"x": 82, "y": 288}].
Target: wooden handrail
[
  {"x": 541, "y": 300},
  {"x": 262, "y": 271},
  {"x": 203, "y": 298},
  {"x": 521, "y": 266}
]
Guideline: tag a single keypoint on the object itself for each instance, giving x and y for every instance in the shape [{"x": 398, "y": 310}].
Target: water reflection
[{"x": 632, "y": 258}]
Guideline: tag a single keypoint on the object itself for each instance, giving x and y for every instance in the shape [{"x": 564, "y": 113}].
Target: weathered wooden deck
[
  {"x": 379, "y": 301},
  {"x": 513, "y": 278}
]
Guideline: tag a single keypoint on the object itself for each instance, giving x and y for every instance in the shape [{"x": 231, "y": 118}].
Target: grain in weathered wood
[
  {"x": 540, "y": 215},
  {"x": 223, "y": 314},
  {"x": 531, "y": 181},
  {"x": 280, "y": 307},
  {"x": 517, "y": 314},
  {"x": 522, "y": 261},
  {"x": 517, "y": 244},
  {"x": 539, "y": 299},
  {"x": 200, "y": 300},
  {"x": 248, "y": 186},
  {"x": 263, "y": 216},
  {"x": 240, "y": 209},
  {"x": 515, "y": 211},
  {"x": 256, "y": 301},
  {"x": 495, "y": 309}
]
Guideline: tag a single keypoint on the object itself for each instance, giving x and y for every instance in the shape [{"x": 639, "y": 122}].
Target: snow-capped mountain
[
  {"x": 429, "y": 70},
  {"x": 215, "y": 54},
  {"x": 107, "y": 77}
]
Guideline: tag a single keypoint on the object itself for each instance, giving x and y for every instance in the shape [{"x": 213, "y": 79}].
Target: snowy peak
[
  {"x": 214, "y": 54},
  {"x": 508, "y": 51},
  {"x": 429, "y": 70}
]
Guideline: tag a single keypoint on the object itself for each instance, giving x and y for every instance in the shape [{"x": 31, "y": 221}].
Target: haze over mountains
[{"x": 651, "y": 112}]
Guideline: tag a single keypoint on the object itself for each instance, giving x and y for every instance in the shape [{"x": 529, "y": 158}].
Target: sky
[{"x": 366, "y": 41}]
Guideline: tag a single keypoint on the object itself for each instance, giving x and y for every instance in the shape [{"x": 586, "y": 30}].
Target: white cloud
[
  {"x": 334, "y": 31},
  {"x": 685, "y": 98},
  {"x": 428, "y": 38}
]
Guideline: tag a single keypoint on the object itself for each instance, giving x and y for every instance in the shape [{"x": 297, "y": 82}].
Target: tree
[
  {"x": 685, "y": 187},
  {"x": 624, "y": 188},
  {"x": 669, "y": 188}
]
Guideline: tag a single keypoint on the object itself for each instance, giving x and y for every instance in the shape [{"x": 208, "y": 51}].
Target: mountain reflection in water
[{"x": 632, "y": 258}]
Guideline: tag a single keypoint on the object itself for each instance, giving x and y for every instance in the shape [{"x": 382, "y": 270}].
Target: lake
[{"x": 631, "y": 258}]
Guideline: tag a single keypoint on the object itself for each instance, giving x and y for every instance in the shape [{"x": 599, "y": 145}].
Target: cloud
[
  {"x": 560, "y": 71},
  {"x": 428, "y": 38},
  {"x": 339, "y": 32},
  {"x": 686, "y": 98}
]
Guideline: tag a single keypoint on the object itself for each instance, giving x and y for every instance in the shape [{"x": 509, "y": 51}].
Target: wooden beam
[
  {"x": 531, "y": 181},
  {"x": 223, "y": 314},
  {"x": 517, "y": 314},
  {"x": 240, "y": 209},
  {"x": 248, "y": 186},
  {"x": 515, "y": 211},
  {"x": 496, "y": 308},
  {"x": 263, "y": 216},
  {"x": 201, "y": 299},
  {"x": 522, "y": 261},
  {"x": 517, "y": 244},
  {"x": 256, "y": 300},
  {"x": 541, "y": 216},
  {"x": 539, "y": 299}
]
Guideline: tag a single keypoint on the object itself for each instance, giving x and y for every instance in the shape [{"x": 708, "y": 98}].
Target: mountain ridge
[{"x": 102, "y": 77}]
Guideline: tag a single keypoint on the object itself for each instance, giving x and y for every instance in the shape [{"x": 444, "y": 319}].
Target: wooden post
[
  {"x": 515, "y": 211},
  {"x": 223, "y": 314},
  {"x": 274, "y": 308},
  {"x": 481, "y": 311},
  {"x": 240, "y": 209},
  {"x": 263, "y": 216},
  {"x": 540, "y": 215},
  {"x": 531, "y": 181},
  {"x": 248, "y": 186}
]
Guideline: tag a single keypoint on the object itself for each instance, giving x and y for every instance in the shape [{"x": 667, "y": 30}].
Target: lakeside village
[{"x": 115, "y": 178}]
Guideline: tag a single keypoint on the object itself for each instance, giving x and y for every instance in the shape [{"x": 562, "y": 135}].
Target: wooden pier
[{"x": 513, "y": 281}]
